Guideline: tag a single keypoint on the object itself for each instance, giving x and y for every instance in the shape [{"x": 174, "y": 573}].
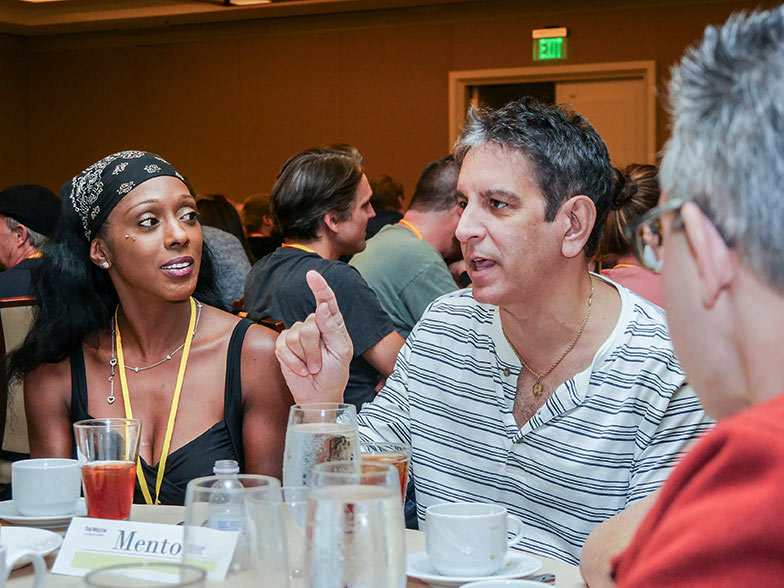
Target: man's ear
[
  {"x": 100, "y": 253},
  {"x": 21, "y": 235},
  {"x": 577, "y": 216},
  {"x": 331, "y": 221},
  {"x": 711, "y": 254}
]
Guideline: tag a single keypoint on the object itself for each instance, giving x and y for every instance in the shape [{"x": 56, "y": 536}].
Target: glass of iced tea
[
  {"x": 355, "y": 534},
  {"x": 395, "y": 454},
  {"x": 107, "y": 450}
]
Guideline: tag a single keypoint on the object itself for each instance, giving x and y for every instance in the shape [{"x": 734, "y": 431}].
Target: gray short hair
[
  {"x": 726, "y": 152},
  {"x": 37, "y": 240},
  {"x": 567, "y": 154}
]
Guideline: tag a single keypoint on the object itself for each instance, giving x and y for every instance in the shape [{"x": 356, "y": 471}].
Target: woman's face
[{"x": 153, "y": 241}]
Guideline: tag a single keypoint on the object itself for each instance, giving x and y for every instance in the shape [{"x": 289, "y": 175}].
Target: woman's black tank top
[{"x": 196, "y": 458}]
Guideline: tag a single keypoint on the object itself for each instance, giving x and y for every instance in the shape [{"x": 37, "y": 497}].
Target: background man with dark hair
[
  {"x": 258, "y": 225},
  {"x": 388, "y": 203},
  {"x": 544, "y": 387},
  {"x": 404, "y": 263},
  {"x": 28, "y": 217},
  {"x": 321, "y": 204}
]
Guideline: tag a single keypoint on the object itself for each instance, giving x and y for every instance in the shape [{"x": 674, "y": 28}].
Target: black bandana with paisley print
[{"x": 89, "y": 197}]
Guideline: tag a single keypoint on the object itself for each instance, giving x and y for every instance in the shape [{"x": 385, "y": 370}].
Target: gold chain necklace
[{"x": 537, "y": 388}]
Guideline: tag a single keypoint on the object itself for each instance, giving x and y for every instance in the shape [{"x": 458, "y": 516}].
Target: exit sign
[
  {"x": 549, "y": 43},
  {"x": 550, "y": 48}
]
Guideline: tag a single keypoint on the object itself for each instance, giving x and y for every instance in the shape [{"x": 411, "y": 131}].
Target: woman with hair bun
[
  {"x": 635, "y": 192},
  {"x": 125, "y": 326}
]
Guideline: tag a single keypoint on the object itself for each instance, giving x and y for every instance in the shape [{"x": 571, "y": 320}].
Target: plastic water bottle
[{"x": 227, "y": 508}]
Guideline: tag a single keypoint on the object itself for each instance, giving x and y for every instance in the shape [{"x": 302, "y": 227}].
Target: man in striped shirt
[{"x": 543, "y": 388}]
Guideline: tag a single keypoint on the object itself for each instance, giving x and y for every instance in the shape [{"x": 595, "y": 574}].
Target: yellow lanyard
[
  {"x": 625, "y": 265},
  {"x": 34, "y": 255},
  {"x": 411, "y": 227},
  {"x": 298, "y": 246},
  {"x": 174, "y": 404}
]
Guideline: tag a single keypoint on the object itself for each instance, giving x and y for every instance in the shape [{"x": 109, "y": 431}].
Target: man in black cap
[{"x": 28, "y": 217}]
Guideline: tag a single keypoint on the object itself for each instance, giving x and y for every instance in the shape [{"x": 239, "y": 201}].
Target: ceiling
[{"x": 42, "y": 17}]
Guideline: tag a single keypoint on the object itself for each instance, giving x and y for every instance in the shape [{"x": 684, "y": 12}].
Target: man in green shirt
[{"x": 406, "y": 264}]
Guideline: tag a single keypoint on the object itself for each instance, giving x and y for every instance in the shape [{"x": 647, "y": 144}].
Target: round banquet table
[{"x": 566, "y": 576}]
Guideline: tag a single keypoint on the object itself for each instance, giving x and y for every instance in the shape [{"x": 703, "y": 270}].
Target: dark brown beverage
[{"x": 108, "y": 488}]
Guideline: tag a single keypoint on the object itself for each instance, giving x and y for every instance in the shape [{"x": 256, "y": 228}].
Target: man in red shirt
[{"x": 718, "y": 520}]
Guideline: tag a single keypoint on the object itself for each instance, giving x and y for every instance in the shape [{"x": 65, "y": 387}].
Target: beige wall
[{"x": 227, "y": 103}]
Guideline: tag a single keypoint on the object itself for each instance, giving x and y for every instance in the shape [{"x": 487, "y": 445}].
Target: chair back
[
  {"x": 16, "y": 315},
  {"x": 271, "y": 323}
]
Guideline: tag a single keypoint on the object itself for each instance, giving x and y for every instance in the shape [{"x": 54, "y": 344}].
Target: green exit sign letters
[{"x": 549, "y": 44}]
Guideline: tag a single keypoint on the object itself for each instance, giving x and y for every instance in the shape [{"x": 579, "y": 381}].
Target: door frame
[{"x": 459, "y": 82}]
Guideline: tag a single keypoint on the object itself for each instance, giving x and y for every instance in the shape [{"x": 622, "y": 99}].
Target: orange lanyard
[
  {"x": 411, "y": 227},
  {"x": 298, "y": 246},
  {"x": 35, "y": 255},
  {"x": 625, "y": 265}
]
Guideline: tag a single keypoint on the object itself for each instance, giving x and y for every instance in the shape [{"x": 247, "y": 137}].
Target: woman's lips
[{"x": 178, "y": 267}]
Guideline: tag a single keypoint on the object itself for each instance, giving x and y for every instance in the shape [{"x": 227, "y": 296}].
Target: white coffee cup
[
  {"x": 6, "y": 566},
  {"x": 46, "y": 487},
  {"x": 469, "y": 539}
]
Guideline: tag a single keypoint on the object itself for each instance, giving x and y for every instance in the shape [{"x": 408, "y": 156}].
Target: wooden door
[{"x": 617, "y": 110}]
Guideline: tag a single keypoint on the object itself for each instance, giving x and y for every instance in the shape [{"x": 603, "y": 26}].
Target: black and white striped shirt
[{"x": 603, "y": 440}]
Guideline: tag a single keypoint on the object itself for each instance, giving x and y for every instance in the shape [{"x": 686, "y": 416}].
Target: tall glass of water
[
  {"x": 232, "y": 505},
  {"x": 355, "y": 531},
  {"x": 318, "y": 433},
  {"x": 289, "y": 505}
]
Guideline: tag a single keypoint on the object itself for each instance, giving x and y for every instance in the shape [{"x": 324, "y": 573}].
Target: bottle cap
[{"x": 226, "y": 467}]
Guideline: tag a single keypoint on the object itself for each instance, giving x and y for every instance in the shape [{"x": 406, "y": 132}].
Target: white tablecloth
[{"x": 566, "y": 576}]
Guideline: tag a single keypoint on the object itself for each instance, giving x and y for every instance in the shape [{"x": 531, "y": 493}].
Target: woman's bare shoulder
[
  {"x": 260, "y": 367},
  {"x": 51, "y": 373},
  {"x": 48, "y": 385},
  {"x": 259, "y": 340}
]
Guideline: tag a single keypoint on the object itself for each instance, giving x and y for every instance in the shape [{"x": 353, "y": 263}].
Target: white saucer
[
  {"x": 20, "y": 539},
  {"x": 516, "y": 565},
  {"x": 9, "y": 513}
]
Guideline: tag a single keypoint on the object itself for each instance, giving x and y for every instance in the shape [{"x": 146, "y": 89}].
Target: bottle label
[{"x": 223, "y": 524}]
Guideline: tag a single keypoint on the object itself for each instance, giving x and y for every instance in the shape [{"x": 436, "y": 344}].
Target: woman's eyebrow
[{"x": 144, "y": 203}]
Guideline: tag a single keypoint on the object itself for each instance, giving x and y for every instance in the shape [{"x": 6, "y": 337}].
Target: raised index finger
[{"x": 321, "y": 291}]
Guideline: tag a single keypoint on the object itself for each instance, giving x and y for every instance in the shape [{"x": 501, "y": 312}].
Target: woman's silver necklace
[{"x": 113, "y": 361}]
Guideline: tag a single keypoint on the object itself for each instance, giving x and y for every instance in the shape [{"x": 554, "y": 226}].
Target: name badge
[{"x": 91, "y": 544}]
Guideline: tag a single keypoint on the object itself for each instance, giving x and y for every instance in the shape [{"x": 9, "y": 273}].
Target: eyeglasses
[{"x": 645, "y": 234}]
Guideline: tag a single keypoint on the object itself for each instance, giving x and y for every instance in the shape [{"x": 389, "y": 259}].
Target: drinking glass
[
  {"x": 290, "y": 504},
  {"x": 395, "y": 454},
  {"x": 149, "y": 575},
  {"x": 355, "y": 532},
  {"x": 236, "y": 504},
  {"x": 318, "y": 433},
  {"x": 107, "y": 450}
]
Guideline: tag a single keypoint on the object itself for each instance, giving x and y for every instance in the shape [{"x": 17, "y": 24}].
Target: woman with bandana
[{"x": 125, "y": 328}]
